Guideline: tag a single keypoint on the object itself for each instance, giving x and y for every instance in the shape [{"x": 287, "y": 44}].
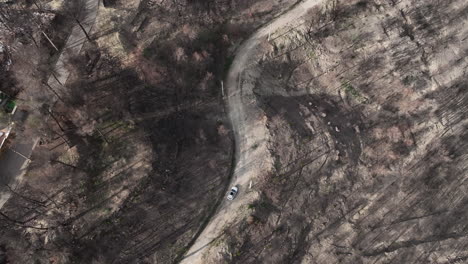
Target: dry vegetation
[
  {"x": 367, "y": 105},
  {"x": 135, "y": 150}
]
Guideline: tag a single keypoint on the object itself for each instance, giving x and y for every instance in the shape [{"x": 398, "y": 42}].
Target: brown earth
[
  {"x": 137, "y": 149},
  {"x": 366, "y": 104}
]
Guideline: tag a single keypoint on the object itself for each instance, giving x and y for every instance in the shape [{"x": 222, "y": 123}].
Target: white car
[{"x": 232, "y": 194}]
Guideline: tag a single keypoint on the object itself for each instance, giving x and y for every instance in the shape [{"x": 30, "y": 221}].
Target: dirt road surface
[
  {"x": 14, "y": 162},
  {"x": 251, "y": 134}
]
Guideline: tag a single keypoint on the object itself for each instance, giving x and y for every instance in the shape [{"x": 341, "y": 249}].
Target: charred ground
[
  {"x": 366, "y": 105},
  {"x": 369, "y": 136},
  {"x": 135, "y": 148}
]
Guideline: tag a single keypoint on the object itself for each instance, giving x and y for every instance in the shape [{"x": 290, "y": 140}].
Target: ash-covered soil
[
  {"x": 366, "y": 104},
  {"x": 136, "y": 150}
]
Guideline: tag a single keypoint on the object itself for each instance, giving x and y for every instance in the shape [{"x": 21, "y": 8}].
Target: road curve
[
  {"x": 250, "y": 132},
  {"x": 15, "y": 160}
]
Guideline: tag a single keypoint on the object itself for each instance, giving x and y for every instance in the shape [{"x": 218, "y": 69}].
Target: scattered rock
[{"x": 251, "y": 219}]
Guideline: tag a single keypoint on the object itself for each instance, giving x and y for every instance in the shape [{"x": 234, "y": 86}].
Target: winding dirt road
[{"x": 251, "y": 134}]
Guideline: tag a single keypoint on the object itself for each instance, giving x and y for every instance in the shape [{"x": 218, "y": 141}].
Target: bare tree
[
  {"x": 20, "y": 20},
  {"x": 76, "y": 10}
]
